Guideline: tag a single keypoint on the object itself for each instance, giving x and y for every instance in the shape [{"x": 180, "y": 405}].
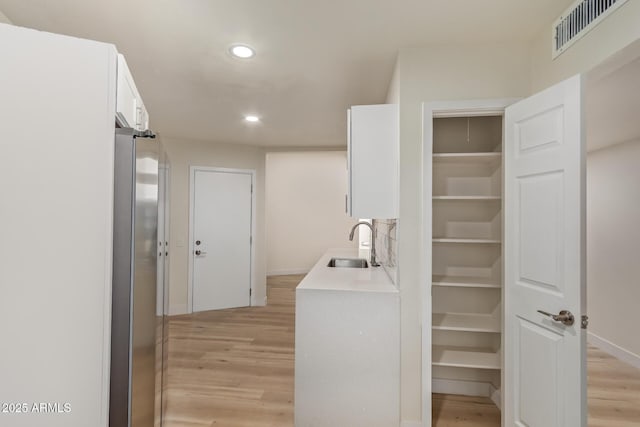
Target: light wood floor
[
  {"x": 613, "y": 390},
  {"x": 234, "y": 368}
]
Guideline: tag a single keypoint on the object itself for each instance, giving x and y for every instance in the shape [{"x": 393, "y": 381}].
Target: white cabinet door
[
  {"x": 130, "y": 110},
  {"x": 373, "y": 161},
  {"x": 347, "y": 364},
  {"x": 545, "y": 367}
]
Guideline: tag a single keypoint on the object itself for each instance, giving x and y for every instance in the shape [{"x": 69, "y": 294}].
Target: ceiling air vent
[{"x": 578, "y": 19}]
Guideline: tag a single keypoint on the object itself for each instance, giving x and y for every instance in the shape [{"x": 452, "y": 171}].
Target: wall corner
[{"x": 4, "y": 19}]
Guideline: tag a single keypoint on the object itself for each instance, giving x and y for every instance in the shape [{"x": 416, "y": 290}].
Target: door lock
[
  {"x": 565, "y": 317},
  {"x": 585, "y": 321}
]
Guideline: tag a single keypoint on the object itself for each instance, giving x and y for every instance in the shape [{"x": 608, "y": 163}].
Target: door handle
[
  {"x": 565, "y": 317},
  {"x": 199, "y": 252}
]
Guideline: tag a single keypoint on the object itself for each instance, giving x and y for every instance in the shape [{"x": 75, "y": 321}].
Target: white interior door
[
  {"x": 221, "y": 244},
  {"x": 545, "y": 366}
]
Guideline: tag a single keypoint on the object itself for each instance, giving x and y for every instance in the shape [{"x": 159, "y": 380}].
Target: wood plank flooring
[
  {"x": 234, "y": 368},
  {"x": 462, "y": 411},
  {"x": 613, "y": 390}
]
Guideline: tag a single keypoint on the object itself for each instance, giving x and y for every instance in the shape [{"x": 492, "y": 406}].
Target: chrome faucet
[{"x": 373, "y": 262}]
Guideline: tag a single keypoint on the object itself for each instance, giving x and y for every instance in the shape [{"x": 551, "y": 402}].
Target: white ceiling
[{"x": 314, "y": 57}]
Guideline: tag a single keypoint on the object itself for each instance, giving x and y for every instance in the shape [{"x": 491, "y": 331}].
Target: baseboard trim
[
  {"x": 178, "y": 309},
  {"x": 287, "y": 272},
  {"x": 411, "y": 424},
  {"x": 258, "y": 302},
  {"x": 496, "y": 396},
  {"x": 614, "y": 350},
  {"x": 465, "y": 388}
]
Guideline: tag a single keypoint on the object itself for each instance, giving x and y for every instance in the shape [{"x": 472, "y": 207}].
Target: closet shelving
[
  {"x": 466, "y": 249},
  {"x": 466, "y": 282},
  {"x": 468, "y": 198},
  {"x": 465, "y": 357},
  {"x": 476, "y": 158},
  {"x": 466, "y": 322},
  {"x": 458, "y": 240}
]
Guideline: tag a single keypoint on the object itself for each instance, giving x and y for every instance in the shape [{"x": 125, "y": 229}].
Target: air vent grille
[{"x": 578, "y": 19}]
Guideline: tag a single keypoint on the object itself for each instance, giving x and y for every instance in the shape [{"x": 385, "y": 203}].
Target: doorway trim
[
  {"x": 192, "y": 192},
  {"x": 431, "y": 110}
]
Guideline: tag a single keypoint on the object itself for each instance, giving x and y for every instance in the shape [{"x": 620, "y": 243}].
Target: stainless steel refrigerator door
[
  {"x": 145, "y": 320},
  {"x": 134, "y": 322},
  {"x": 162, "y": 311}
]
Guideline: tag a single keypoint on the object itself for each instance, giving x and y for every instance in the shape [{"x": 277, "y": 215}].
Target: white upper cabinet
[
  {"x": 373, "y": 158},
  {"x": 130, "y": 110}
]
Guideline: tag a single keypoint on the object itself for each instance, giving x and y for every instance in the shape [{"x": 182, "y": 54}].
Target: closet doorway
[{"x": 465, "y": 310}]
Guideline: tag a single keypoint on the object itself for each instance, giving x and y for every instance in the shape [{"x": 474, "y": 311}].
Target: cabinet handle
[{"x": 346, "y": 204}]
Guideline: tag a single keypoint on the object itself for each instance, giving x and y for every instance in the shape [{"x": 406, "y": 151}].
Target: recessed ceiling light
[
  {"x": 252, "y": 119},
  {"x": 241, "y": 51}
]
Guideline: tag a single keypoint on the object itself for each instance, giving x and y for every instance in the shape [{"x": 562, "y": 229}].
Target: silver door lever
[
  {"x": 199, "y": 252},
  {"x": 565, "y": 317}
]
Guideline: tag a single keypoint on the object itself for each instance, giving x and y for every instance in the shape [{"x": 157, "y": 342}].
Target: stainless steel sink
[{"x": 348, "y": 263}]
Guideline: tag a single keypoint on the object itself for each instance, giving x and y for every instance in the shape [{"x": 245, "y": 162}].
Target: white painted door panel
[
  {"x": 545, "y": 367},
  {"x": 222, "y": 225}
]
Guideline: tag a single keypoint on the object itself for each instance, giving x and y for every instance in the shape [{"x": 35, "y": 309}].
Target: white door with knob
[
  {"x": 221, "y": 238},
  {"x": 545, "y": 345}
]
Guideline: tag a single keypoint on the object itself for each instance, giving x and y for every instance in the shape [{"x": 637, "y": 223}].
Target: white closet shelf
[
  {"x": 458, "y": 240},
  {"x": 460, "y": 357},
  {"x": 466, "y": 322},
  {"x": 471, "y": 198},
  {"x": 465, "y": 282},
  {"x": 467, "y": 157}
]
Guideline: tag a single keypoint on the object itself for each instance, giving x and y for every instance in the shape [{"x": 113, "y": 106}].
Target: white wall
[
  {"x": 183, "y": 154},
  {"x": 613, "y": 245},
  {"x": 393, "y": 93},
  {"x": 615, "y": 32},
  {"x": 4, "y": 19},
  {"x": 433, "y": 74},
  {"x": 305, "y": 208},
  {"x": 460, "y": 73}
]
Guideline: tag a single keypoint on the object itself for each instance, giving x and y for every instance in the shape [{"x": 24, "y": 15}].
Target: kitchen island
[{"x": 347, "y": 348}]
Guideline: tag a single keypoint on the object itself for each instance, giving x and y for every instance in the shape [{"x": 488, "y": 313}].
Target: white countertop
[{"x": 371, "y": 279}]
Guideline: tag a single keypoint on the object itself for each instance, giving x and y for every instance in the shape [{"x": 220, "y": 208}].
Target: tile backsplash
[{"x": 387, "y": 246}]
